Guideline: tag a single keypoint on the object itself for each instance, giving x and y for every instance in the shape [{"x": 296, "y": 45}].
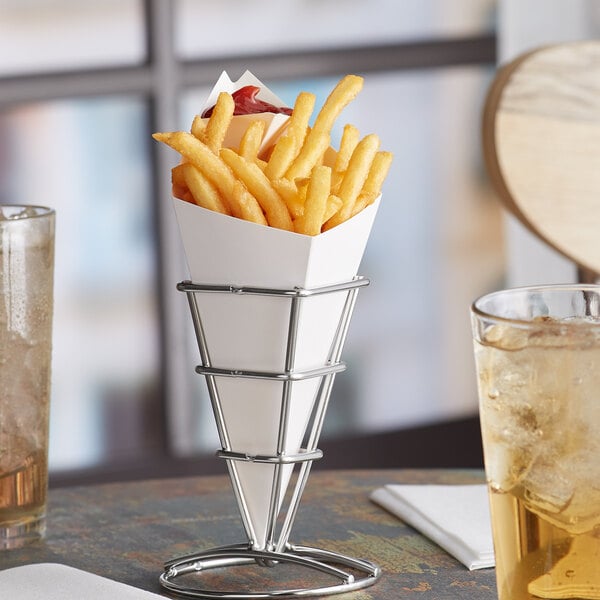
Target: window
[
  {"x": 88, "y": 158},
  {"x": 39, "y": 36},
  {"x": 75, "y": 124}
]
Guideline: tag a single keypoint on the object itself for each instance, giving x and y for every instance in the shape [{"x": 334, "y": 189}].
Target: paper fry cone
[
  {"x": 250, "y": 332},
  {"x": 251, "y": 411}
]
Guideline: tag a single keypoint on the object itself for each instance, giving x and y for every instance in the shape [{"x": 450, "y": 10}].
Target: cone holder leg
[{"x": 345, "y": 573}]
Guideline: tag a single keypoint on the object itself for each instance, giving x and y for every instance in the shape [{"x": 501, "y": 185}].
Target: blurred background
[{"x": 82, "y": 86}]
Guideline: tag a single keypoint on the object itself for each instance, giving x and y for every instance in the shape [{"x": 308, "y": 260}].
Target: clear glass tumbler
[
  {"x": 26, "y": 307},
  {"x": 537, "y": 353}
]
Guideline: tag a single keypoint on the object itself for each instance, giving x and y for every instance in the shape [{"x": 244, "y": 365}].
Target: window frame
[{"x": 162, "y": 78}]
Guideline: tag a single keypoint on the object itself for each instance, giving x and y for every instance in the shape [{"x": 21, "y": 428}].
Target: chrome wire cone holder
[{"x": 348, "y": 574}]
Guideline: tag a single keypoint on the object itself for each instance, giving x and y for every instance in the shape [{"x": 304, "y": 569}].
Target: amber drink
[
  {"x": 26, "y": 304},
  {"x": 537, "y": 352}
]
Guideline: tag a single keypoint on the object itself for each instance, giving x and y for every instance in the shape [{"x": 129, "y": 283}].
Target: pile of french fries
[{"x": 299, "y": 183}]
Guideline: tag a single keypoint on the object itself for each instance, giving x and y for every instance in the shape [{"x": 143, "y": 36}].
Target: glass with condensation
[
  {"x": 537, "y": 353},
  {"x": 26, "y": 309}
]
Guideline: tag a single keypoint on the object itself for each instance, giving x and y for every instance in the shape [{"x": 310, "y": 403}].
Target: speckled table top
[{"x": 125, "y": 531}]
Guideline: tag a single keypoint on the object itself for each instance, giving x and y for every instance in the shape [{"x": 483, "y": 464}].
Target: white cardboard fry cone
[
  {"x": 251, "y": 411},
  {"x": 250, "y": 332}
]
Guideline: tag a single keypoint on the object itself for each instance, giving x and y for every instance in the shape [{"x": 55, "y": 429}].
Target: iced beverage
[
  {"x": 26, "y": 300},
  {"x": 537, "y": 353}
]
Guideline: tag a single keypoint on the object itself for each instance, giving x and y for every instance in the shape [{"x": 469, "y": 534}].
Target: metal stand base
[{"x": 349, "y": 574}]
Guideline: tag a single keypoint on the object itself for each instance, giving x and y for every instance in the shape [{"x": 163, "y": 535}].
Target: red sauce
[{"x": 246, "y": 103}]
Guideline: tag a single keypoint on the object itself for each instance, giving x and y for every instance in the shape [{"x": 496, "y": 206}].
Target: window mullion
[
  {"x": 424, "y": 54},
  {"x": 166, "y": 84}
]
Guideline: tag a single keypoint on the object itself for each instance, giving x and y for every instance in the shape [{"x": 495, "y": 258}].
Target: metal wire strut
[{"x": 273, "y": 548}]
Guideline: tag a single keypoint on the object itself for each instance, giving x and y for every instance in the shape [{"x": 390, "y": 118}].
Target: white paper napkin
[
  {"x": 456, "y": 517},
  {"x": 51, "y": 581}
]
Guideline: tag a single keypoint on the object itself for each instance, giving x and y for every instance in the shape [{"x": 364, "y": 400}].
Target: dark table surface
[{"x": 125, "y": 531}]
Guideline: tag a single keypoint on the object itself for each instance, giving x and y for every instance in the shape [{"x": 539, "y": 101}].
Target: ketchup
[{"x": 246, "y": 103}]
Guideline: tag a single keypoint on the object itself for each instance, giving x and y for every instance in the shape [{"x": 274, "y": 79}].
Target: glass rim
[
  {"x": 559, "y": 287},
  {"x": 41, "y": 211}
]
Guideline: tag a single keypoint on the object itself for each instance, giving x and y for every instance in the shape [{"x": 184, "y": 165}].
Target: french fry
[
  {"x": 179, "y": 187},
  {"x": 362, "y": 202},
  {"x": 260, "y": 187},
  {"x": 261, "y": 163},
  {"x": 219, "y": 121},
  {"x": 348, "y": 143},
  {"x": 312, "y": 151},
  {"x": 282, "y": 156},
  {"x": 372, "y": 187},
  {"x": 298, "y": 123},
  {"x": 350, "y": 138},
  {"x": 377, "y": 173},
  {"x": 203, "y": 191},
  {"x": 251, "y": 140},
  {"x": 343, "y": 93},
  {"x": 317, "y": 140},
  {"x": 334, "y": 203},
  {"x": 199, "y": 154},
  {"x": 290, "y": 195},
  {"x": 316, "y": 201},
  {"x": 188, "y": 197},
  {"x": 198, "y": 127},
  {"x": 249, "y": 207},
  {"x": 354, "y": 178},
  {"x": 288, "y": 145},
  {"x": 298, "y": 184},
  {"x": 358, "y": 168}
]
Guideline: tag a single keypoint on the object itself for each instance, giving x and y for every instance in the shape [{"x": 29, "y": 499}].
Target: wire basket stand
[{"x": 347, "y": 574}]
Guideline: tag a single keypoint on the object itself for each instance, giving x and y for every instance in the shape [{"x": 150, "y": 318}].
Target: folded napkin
[
  {"x": 51, "y": 581},
  {"x": 456, "y": 517}
]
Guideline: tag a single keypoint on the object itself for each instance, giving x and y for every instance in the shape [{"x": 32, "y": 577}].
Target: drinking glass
[
  {"x": 537, "y": 353},
  {"x": 26, "y": 305}
]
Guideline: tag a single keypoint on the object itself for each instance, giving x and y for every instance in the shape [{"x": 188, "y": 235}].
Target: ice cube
[
  {"x": 21, "y": 408},
  {"x": 506, "y": 466},
  {"x": 14, "y": 450},
  {"x": 582, "y": 467},
  {"x": 11, "y": 213},
  {"x": 511, "y": 436},
  {"x": 564, "y": 487},
  {"x": 506, "y": 337},
  {"x": 547, "y": 489}
]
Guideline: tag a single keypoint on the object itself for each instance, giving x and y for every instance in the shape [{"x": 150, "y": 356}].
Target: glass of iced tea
[
  {"x": 537, "y": 352},
  {"x": 26, "y": 303}
]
